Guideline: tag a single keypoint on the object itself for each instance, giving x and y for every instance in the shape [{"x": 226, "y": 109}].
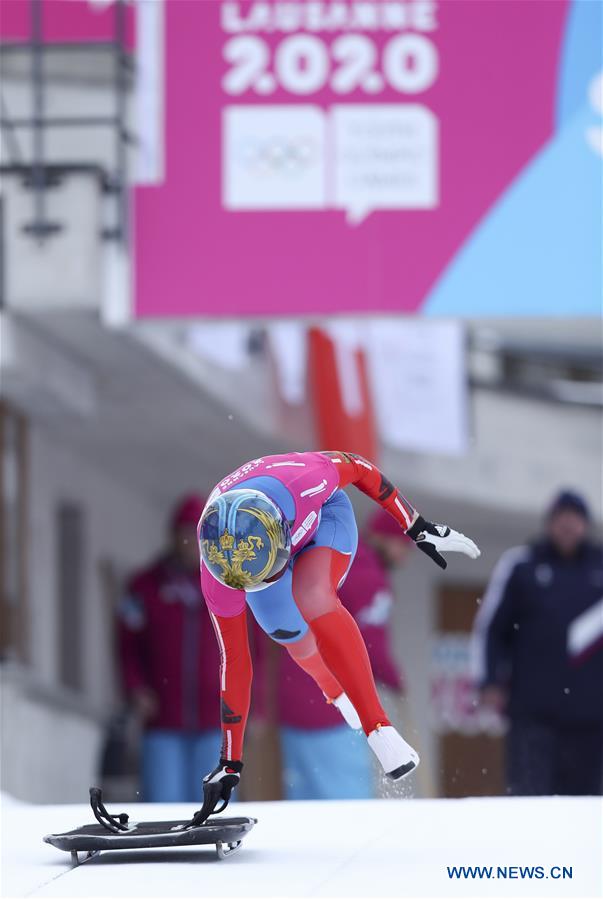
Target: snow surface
[{"x": 380, "y": 848}]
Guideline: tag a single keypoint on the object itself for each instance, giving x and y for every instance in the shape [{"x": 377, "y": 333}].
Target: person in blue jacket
[{"x": 538, "y": 655}]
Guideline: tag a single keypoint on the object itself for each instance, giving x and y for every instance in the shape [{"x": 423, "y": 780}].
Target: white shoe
[
  {"x": 347, "y": 710},
  {"x": 397, "y": 758}
]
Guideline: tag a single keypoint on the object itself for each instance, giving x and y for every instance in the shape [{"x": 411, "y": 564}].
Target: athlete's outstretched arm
[
  {"x": 432, "y": 539},
  {"x": 236, "y": 674},
  {"x": 365, "y": 476}
]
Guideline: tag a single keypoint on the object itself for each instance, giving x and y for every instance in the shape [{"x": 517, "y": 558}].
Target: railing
[
  {"x": 550, "y": 370},
  {"x": 40, "y": 172}
]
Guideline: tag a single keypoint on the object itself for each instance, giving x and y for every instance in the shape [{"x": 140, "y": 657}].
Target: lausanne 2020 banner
[
  {"x": 309, "y": 157},
  {"x": 302, "y": 157},
  {"x": 342, "y": 157}
]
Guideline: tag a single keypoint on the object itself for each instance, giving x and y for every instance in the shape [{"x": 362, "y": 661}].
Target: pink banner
[
  {"x": 332, "y": 157},
  {"x": 69, "y": 21}
]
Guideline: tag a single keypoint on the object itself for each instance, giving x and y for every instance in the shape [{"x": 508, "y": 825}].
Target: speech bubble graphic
[
  {"x": 274, "y": 157},
  {"x": 594, "y": 135},
  {"x": 384, "y": 157}
]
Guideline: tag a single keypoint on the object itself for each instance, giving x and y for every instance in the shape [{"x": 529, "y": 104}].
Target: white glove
[{"x": 434, "y": 539}]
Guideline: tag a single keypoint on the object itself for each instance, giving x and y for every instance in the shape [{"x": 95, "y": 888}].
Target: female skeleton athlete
[{"x": 279, "y": 535}]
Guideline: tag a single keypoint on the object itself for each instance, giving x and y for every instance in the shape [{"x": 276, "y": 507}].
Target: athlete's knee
[
  {"x": 302, "y": 647},
  {"x": 313, "y": 591},
  {"x": 313, "y": 603}
]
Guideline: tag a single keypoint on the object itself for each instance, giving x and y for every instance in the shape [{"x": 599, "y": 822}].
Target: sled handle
[{"x": 114, "y": 823}]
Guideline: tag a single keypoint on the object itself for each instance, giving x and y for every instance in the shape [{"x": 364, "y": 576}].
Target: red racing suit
[{"x": 230, "y": 621}]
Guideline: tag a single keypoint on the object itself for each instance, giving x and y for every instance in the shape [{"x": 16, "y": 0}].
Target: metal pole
[
  {"x": 121, "y": 114},
  {"x": 37, "y": 87},
  {"x": 7, "y": 127},
  {"x": 2, "y": 257}
]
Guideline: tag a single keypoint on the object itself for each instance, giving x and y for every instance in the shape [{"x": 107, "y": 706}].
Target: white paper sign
[{"x": 419, "y": 384}]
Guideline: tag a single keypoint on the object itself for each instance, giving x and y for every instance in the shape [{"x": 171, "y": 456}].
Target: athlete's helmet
[{"x": 244, "y": 539}]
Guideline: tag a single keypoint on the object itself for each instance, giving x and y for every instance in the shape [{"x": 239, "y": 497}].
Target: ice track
[{"x": 369, "y": 849}]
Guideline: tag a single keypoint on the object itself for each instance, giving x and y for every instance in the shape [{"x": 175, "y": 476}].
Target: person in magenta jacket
[
  {"x": 169, "y": 663},
  {"x": 311, "y": 731}
]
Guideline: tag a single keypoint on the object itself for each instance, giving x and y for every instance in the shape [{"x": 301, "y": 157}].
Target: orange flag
[{"x": 340, "y": 395}]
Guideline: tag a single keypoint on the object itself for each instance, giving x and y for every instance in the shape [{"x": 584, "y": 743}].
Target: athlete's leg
[
  {"x": 317, "y": 574},
  {"x": 305, "y": 653},
  {"x": 277, "y": 614}
]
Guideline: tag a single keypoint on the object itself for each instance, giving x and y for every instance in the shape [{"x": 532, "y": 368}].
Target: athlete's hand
[
  {"x": 217, "y": 787},
  {"x": 435, "y": 539}
]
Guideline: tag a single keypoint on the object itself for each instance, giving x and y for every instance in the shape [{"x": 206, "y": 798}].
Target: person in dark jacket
[
  {"x": 538, "y": 655},
  {"x": 169, "y": 662}
]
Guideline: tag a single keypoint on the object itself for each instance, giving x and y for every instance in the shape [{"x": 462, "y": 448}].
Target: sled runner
[{"x": 118, "y": 832}]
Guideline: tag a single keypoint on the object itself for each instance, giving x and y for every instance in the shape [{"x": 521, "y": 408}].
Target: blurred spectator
[
  {"x": 170, "y": 663},
  {"x": 537, "y": 642},
  {"x": 322, "y": 757}
]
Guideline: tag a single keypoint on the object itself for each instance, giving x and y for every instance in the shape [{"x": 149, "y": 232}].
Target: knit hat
[
  {"x": 569, "y": 500},
  {"x": 188, "y": 510}
]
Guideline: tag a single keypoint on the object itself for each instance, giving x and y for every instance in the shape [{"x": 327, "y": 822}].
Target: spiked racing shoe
[{"x": 396, "y": 756}]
